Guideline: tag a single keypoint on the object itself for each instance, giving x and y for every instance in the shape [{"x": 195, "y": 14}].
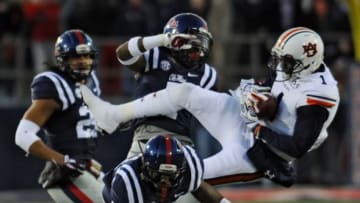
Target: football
[{"x": 266, "y": 107}]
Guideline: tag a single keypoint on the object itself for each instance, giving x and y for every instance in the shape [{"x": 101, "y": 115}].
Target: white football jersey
[{"x": 319, "y": 88}]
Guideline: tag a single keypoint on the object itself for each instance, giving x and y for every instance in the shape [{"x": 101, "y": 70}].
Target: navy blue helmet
[
  {"x": 73, "y": 43},
  {"x": 189, "y": 23},
  {"x": 163, "y": 162}
]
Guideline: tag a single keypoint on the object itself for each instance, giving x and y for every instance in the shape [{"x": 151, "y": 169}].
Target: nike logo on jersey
[
  {"x": 192, "y": 75},
  {"x": 178, "y": 195}
]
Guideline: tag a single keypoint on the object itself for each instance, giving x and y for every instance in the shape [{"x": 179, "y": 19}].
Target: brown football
[{"x": 267, "y": 108}]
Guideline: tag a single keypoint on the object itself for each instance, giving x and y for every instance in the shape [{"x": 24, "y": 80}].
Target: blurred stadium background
[{"x": 243, "y": 31}]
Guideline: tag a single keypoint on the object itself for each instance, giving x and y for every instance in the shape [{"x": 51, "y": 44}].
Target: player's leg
[
  {"x": 84, "y": 188},
  {"x": 109, "y": 116}
]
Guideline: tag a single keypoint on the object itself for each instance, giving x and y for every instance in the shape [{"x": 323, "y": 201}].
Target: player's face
[{"x": 81, "y": 63}]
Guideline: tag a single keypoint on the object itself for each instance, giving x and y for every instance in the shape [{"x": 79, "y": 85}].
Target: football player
[
  {"x": 178, "y": 55},
  {"x": 307, "y": 100},
  {"x": 165, "y": 171},
  {"x": 70, "y": 174}
]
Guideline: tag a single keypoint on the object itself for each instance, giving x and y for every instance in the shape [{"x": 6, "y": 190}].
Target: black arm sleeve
[{"x": 309, "y": 122}]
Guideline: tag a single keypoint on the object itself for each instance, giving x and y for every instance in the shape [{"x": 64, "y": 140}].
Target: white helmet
[{"x": 297, "y": 53}]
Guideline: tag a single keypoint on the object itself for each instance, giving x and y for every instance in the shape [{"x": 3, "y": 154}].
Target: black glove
[{"x": 274, "y": 168}]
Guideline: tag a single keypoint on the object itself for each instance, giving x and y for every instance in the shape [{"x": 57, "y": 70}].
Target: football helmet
[
  {"x": 73, "y": 43},
  {"x": 298, "y": 52},
  {"x": 189, "y": 23},
  {"x": 163, "y": 163}
]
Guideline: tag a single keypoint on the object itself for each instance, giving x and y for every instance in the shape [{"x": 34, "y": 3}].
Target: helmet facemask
[
  {"x": 286, "y": 65},
  {"x": 198, "y": 52}
]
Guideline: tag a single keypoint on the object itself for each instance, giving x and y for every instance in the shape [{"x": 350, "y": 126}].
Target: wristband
[
  {"x": 25, "y": 134},
  {"x": 134, "y": 47}
]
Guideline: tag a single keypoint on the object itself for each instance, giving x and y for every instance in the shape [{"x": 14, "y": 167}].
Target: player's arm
[
  {"x": 207, "y": 193},
  {"x": 26, "y": 134},
  {"x": 309, "y": 122},
  {"x": 131, "y": 53}
]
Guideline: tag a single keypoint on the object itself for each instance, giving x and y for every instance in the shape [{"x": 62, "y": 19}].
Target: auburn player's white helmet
[{"x": 298, "y": 52}]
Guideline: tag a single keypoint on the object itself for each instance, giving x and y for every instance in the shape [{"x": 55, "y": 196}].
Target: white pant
[
  {"x": 81, "y": 188},
  {"x": 220, "y": 115}
]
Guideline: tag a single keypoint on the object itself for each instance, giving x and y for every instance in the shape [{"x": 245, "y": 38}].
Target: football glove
[
  {"x": 75, "y": 167},
  {"x": 178, "y": 41},
  {"x": 248, "y": 93}
]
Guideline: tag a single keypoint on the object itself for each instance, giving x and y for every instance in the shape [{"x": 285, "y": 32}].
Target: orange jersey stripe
[{"x": 312, "y": 101}]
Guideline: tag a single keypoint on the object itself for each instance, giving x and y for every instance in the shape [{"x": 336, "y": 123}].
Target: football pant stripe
[
  {"x": 242, "y": 177},
  {"x": 74, "y": 193}
]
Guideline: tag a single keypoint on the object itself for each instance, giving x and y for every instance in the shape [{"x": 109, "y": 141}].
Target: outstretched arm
[
  {"x": 207, "y": 193},
  {"x": 131, "y": 52}
]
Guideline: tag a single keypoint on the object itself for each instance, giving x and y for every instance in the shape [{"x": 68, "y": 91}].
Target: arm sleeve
[
  {"x": 309, "y": 122},
  {"x": 43, "y": 88}
]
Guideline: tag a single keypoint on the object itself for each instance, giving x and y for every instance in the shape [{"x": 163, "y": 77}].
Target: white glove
[
  {"x": 178, "y": 41},
  {"x": 248, "y": 94}
]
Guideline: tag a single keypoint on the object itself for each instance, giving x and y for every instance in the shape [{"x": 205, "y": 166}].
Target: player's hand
[
  {"x": 178, "y": 41},
  {"x": 74, "y": 166}
]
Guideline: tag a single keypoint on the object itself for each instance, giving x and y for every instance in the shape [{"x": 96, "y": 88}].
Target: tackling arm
[
  {"x": 131, "y": 52},
  {"x": 207, "y": 193}
]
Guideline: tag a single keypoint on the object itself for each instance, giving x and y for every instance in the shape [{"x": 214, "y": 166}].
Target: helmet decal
[{"x": 310, "y": 49}]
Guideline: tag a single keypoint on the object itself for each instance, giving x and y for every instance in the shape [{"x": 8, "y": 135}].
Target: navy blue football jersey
[
  {"x": 124, "y": 183},
  {"x": 71, "y": 129},
  {"x": 162, "y": 69}
]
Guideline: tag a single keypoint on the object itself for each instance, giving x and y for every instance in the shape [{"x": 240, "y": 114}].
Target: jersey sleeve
[
  {"x": 43, "y": 88},
  {"x": 309, "y": 98},
  {"x": 49, "y": 85},
  {"x": 118, "y": 191},
  {"x": 195, "y": 167}
]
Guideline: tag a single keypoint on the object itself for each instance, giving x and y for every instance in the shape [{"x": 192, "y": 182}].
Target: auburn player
[
  {"x": 70, "y": 173},
  {"x": 165, "y": 171},
  {"x": 307, "y": 100},
  {"x": 177, "y": 55}
]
